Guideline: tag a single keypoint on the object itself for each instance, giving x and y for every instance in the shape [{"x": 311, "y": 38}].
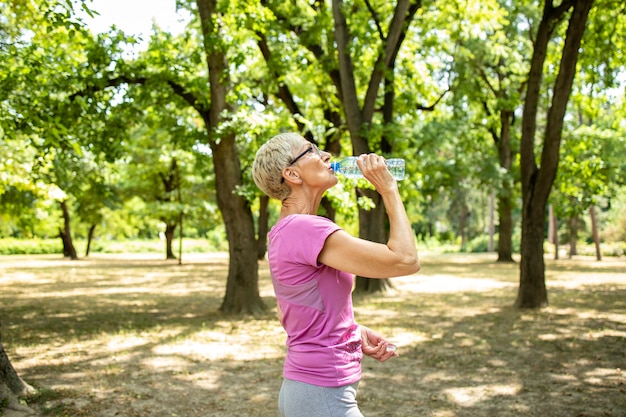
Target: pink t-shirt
[{"x": 324, "y": 344}]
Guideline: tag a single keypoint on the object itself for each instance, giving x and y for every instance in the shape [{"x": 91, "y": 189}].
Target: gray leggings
[{"x": 298, "y": 399}]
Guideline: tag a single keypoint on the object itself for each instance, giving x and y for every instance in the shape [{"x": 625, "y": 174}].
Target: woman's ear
[{"x": 291, "y": 175}]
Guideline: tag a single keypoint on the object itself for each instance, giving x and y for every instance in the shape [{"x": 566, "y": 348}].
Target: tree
[
  {"x": 590, "y": 168},
  {"x": 242, "y": 292},
  {"x": 170, "y": 72},
  {"x": 12, "y": 387},
  {"x": 17, "y": 75},
  {"x": 490, "y": 77},
  {"x": 357, "y": 92},
  {"x": 91, "y": 204},
  {"x": 360, "y": 115},
  {"x": 153, "y": 172},
  {"x": 33, "y": 110},
  {"x": 537, "y": 179}
]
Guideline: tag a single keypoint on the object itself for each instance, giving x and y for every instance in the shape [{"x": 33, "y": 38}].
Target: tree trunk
[
  {"x": 8, "y": 375},
  {"x": 171, "y": 183},
  {"x": 594, "y": 232},
  {"x": 90, "y": 234},
  {"x": 551, "y": 224},
  {"x": 181, "y": 235},
  {"x": 12, "y": 386},
  {"x": 181, "y": 217},
  {"x": 537, "y": 181},
  {"x": 492, "y": 226},
  {"x": 463, "y": 216},
  {"x": 242, "y": 286},
  {"x": 262, "y": 227},
  {"x": 69, "y": 250},
  {"x": 573, "y": 236},
  {"x": 532, "y": 292},
  {"x": 505, "y": 229},
  {"x": 553, "y": 232},
  {"x": 170, "y": 229},
  {"x": 370, "y": 222},
  {"x": 505, "y": 194}
]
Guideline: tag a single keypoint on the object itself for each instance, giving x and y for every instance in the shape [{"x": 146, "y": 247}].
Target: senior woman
[{"x": 313, "y": 263}]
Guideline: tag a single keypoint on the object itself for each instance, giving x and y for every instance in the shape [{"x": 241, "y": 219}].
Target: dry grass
[{"x": 115, "y": 336}]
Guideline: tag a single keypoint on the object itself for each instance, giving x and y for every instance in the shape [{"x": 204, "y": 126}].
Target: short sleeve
[{"x": 306, "y": 237}]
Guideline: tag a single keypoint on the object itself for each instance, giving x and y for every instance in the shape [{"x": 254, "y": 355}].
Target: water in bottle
[{"x": 349, "y": 169}]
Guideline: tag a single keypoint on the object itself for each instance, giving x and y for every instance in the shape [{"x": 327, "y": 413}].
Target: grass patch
[{"x": 141, "y": 336}]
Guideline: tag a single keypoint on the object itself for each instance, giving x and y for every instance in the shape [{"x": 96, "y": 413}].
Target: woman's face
[{"x": 314, "y": 166}]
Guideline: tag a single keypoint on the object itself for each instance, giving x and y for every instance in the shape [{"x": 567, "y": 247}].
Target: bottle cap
[{"x": 334, "y": 166}]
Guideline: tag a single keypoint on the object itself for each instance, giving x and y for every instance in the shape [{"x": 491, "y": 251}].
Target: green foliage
[
  {"x": 9, "y": 246},
  {"x": 615, "y": 231},
  {"x": 103, "y": 121},
  {"x": 591, "y": 167},
  {"x": 480, "y": 244},
  {"x": 214, "y": 241}
]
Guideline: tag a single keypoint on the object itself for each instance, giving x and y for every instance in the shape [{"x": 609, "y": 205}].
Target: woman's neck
[{"x": 293, "y": 205}]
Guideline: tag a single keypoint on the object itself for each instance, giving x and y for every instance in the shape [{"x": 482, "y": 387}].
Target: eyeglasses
[{"x": 311, "y": 148}]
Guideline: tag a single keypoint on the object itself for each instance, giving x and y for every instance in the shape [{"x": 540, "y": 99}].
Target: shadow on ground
[{"x": 143, "y": 337}]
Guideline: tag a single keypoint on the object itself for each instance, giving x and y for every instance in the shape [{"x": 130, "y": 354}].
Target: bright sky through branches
[{"x": 136, "y": 16}]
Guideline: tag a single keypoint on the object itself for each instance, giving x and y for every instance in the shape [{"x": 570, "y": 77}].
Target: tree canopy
[{"x": 475, "y": 96}]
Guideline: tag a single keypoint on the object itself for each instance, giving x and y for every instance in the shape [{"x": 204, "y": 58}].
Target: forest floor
[{"x": 138, "y": 336}]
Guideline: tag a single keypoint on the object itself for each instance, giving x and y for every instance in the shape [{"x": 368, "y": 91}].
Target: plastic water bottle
[{"x": 349, "y": 169}]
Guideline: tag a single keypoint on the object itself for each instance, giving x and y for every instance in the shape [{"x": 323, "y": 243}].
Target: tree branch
[
  {"x": 376, "y": 19},
  {"x": 403, "y": 15},
  {"x": 178, "y": 89},
  {"x": 432, "y": 106}
]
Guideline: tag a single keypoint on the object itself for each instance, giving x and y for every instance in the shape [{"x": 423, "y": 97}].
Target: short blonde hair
[{"x": 270, "y": 160}]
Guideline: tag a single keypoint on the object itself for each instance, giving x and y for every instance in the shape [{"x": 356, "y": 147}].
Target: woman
[{"x": 313, "y": 263}]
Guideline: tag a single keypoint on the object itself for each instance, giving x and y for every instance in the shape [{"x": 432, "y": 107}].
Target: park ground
[{"x": 114, "y": 335}]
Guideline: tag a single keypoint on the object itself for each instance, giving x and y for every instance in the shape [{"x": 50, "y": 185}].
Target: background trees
[
  {"x": 538, "y": 172},
  {"x": 164, "y": 133},
  {"x": 334, "y": 37}
]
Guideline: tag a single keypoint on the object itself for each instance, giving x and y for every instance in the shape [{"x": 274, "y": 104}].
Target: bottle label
[{"x": 349, "y": 169}]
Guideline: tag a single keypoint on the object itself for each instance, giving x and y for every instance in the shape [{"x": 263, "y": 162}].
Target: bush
[
  {"x": 613, "y": 249},
  {"x": 607, "y": 249},
  {"x": 480, "y": 244},
  {"x": 10, "y": 246}
]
